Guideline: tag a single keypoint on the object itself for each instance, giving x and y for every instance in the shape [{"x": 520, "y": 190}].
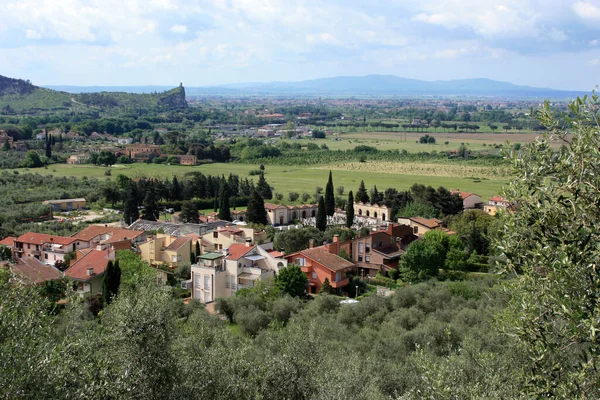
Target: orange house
[{"x": 319, "y": 263}]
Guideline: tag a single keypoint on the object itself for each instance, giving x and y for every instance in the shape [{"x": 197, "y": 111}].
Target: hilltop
[{"x": 18, "y": 95}]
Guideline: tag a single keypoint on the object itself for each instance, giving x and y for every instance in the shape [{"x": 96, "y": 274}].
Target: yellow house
[
  {"x": 66, "y": 204},
  {"x": 167, "y": 249}
]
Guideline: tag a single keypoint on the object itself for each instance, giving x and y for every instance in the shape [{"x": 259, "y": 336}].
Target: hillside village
[{"x": 224, "y": 257}]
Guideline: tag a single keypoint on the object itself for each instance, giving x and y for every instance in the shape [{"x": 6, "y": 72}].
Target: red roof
[
  {"x": 498, "y": 198},
  {"x": 115, "y": 234},
  {"x": 431, "y": 223},
  {"x": 95, "y": 259},
  {"x": 275, "y": 253},
  {"x": 39, "y": 238},
  {"x": 178, "y": 243},
  {"x": 463, "y": 195},
  {"x": 237, "y": 250},
  {"x": 231, "y": 230},
  {"x": 8, "y": 241},
  {"x": 329, "y": 260},
  {"x": 33, "y": 270},
  {"x": 271, "y": 206}
]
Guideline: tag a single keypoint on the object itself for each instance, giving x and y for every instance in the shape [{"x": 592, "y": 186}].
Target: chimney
[
  {"x": 90, "y": 271},
  {"x": 336, "y": 238},
  {"x": 311, "y": 243},
  {"x": 248, "y": 242}
]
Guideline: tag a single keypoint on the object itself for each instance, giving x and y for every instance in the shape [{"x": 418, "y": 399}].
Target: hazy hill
[
  {"x": 369, "y": 85},
  {"x": 393, "y": 85},
  {"x": 19, "y": 95}
]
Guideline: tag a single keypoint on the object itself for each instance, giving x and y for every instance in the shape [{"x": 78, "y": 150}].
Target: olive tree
[{"x": 550, "y": 248}]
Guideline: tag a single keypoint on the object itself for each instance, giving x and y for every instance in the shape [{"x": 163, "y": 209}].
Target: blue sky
[{"x": 546, "y": 43}]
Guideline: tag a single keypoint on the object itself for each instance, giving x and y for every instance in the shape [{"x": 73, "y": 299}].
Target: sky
[{"x": 543, "y": 43}]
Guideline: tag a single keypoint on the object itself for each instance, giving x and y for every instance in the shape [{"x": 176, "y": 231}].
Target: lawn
[{"x": 485, "y": 181}]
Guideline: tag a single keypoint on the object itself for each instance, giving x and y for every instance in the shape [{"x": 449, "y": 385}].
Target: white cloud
[
  {"x": 32, "y": 34},
  {"x": 587, "y": 11},
  {"x": 323, "y": 38},
  {"x": 179, "y": 29}
]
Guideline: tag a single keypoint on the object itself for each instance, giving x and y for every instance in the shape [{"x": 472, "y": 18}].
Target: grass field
[
  {"x": 408, "y": 141},
  {"x": 485, "y": 181}
]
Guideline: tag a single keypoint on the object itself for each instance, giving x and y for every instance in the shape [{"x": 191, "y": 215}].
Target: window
[
  {"x": 46, "y": 256},
  {"x": 338, "y": 276},
  {"x": 215, "y": 234},
  {"x": 174, "y": 258},
  {"x": 227, "y": 281},
  {"x": 239, "y": 265},
  {"x": 314, "y": 275},
  {"x": 198, "y": 281},
  {"x": 361, "y": 247},
  {"x": 301, "y": 262},
  {"x": 28, "y": 246},
  {"x": 360, "y": 258},
  {"x": 416, "y": 230},
  {"x": 368, "y": 258},
  {"x": 367, "y": 248}
]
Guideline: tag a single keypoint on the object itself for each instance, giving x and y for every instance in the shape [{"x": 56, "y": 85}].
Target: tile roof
[
  {"x": 430, "y": 223},
  {"x": 39, "y": 238},
  {"x": 498, "y": 198},
  {"x": 115, "y": 234},
  {"x": 33, "y": 270},
  {"x": 271, "y": 206},
  {"x": 237, "y": 250},
  {"x": 330, "y": 261},
  {"x": 95, "y": 259},
  {"x": 275, "y": 254},
  {"x": 390, "y": 251},
  {"x": 463, "y": 195},
  {"x": 8, "y": 241},
  {"x": 178, "y": 243}
]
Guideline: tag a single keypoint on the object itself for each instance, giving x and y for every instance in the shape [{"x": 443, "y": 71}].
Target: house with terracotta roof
[
  {"x": 249, "y": 262},
  {"x": 89, "y": 269},
  {"x": 79, "y": 159},
  {"x": 470, "y": 200},
  {"x": 422, "y": 225},
  {"x": 279, "y": 214},
  {"x": 221, "y": 274},
  {"x": 167, "y": 249},
  {"x": 8, "y": 241},
  {"x": 104, "y": 235},
  {"x": 319, "y": 263},
  {"x": 49, "y": 249},
  {"x": 31, "y": 270},
  {"x": 222, "y": 238},
  {"x": 496, "y": 204}
]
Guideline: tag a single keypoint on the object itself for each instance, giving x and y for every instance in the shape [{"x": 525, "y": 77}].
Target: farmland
[{"x": 485, "y": 181}]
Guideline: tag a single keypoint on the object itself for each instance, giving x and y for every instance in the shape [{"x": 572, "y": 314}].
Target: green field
[
  {"x": 485, "y": 181},
  {"x": 409, "y": 141}
]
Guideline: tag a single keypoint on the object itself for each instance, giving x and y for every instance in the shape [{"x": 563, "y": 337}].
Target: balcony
[{"x": 340, "y": 283}]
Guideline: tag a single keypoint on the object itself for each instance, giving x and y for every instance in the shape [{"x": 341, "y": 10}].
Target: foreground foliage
[
  {"x": 431, "y": 340},
  {"x": 551, "y": 247}
]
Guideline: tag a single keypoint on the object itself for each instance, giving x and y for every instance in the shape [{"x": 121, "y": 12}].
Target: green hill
[{"x": 17, "y": 95}]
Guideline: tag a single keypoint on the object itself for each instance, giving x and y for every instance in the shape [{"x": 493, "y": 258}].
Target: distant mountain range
[{"x": 369, "y": 85}]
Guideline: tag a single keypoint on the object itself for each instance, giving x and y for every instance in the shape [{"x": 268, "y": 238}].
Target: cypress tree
[
  {"x": 321, "y": 216},
  {"x": 326, "y": 287},
  {"x": 263, "y": 188},
  {"x": 361, "y": 194},
  {"x": 130, "y": 211},
  {"x": 256, "y": 212},
  {"x": 197, "y": 248},
  {"x": 48, "y": 147},
  {"x": 111, "y": 281},
  {"x": 329, "y": 197},
  {"x": 350, "y": 210},
  {"x": 224, "y": 211},
  {"x": 150, "y": 211},
  {"x": 175, "y": 189}
]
